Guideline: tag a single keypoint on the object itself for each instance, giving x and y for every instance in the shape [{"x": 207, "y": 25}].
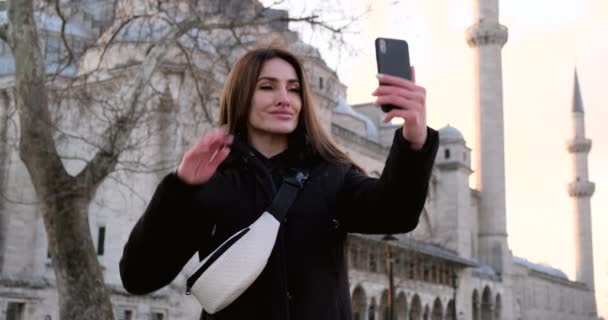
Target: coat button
[
  {"x": 289, "y": 296},
  {"x": 335, "y": 224}
]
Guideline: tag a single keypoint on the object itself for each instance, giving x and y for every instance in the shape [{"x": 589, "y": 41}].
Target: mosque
[{"x": 456, "y": 265}]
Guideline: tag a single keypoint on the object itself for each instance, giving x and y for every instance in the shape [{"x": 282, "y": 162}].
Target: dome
[
  {"x": 304, "y": 49},
  {"x": 344, "y": 108},
  {"x": 449, "y": 134},
  {"x": 539, "y": 267}
]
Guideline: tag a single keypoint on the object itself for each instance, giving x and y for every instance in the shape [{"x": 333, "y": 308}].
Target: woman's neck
[{"x": 268, "y": 144}]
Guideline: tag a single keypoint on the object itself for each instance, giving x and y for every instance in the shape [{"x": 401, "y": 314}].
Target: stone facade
[{"x": 440, "y": 270}]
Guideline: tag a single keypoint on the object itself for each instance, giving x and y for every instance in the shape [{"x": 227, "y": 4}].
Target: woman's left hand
[{"x": 410, "y": 102}]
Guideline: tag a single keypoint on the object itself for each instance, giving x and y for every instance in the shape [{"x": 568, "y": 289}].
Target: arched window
[
  {"x": 415, "y": 308},
  {"x": 359, "y": 303},
  {"x": 475, "y": 306},
  {"x": 373, "y": 265},
  {"x": 446, "y": 153},
  {"x": 384, "y": 306},
  {"x": 400, "y": 311},
  {"x": 52, "y": 51},
  {"x": 518, "y": 310},
  {"x": 421, "y": 267},
  {"x": 371, "y": 312},
  {"x": 437, "y": 313},
  {"x": 405, "y": 266},
  {"x": 354, "y": 256},
  {"x": 486, "y": 304},
  {"x": 101, "y": 240},
  {"x": 498, "y": 308},
  {"x": 411, "y": 271},
  {"x": 449, "y": 310}
]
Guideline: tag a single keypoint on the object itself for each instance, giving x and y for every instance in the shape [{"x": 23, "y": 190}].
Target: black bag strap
[{"x": 287, "y": 194}]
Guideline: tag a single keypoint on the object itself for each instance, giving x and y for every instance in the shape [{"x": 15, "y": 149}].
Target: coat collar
[{"x": 299, "y": 154}]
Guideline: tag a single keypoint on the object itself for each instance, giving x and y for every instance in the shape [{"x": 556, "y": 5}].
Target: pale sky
[{"x": 547, "y": 40}]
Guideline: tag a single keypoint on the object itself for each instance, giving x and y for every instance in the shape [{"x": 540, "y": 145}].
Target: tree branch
[
  {"x": 202, "y": 98},
  {"x": 114, "y": 34},
  {"x": 117, "y": 134},
  {"x": 64, "y": 22},
  {"x": 37, "y": 147},
  {"x": 119, "y": 131}
]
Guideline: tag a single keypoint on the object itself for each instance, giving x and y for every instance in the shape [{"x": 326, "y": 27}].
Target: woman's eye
[
  {"x": 295, "y": 90},
  {"x": 266, "y": 87}
]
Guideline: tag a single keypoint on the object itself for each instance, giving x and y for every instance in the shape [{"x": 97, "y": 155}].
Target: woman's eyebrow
[{"x": 275, "y": 79}]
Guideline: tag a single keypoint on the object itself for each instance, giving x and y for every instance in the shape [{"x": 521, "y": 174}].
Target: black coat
[{"x": 306, "y": 276}]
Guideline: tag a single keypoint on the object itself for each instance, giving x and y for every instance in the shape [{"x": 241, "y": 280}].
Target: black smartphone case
[{"x": 393, "y": 58}]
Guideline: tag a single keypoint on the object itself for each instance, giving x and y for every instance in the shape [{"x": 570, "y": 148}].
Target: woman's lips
[{"x": 282, "y": 114}]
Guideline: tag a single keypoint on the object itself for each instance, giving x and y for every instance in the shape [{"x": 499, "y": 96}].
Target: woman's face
[{"x": 276, "y": 101}]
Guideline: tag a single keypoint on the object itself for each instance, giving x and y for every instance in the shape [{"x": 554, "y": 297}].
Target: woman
[{"x": 217, "y": 190}]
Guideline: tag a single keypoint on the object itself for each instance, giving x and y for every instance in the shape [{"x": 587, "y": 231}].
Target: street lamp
[{"x": 389, "y": 267}]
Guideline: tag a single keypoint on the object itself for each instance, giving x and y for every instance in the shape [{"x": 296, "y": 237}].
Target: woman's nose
[{"x": 283, "y": 97}]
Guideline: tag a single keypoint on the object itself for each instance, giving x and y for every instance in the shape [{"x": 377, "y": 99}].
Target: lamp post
[
  {"x": 455, "y": 286},
  {"x": 389, "y": 267}
]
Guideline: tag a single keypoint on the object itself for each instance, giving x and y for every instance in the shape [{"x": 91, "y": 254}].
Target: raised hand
[
  {"x": 410, "y": 100},
  {"x": 200, "y": 162}
]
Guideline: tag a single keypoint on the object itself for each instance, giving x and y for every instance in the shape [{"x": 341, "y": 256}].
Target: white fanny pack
[{"x": 229, "y": 270}]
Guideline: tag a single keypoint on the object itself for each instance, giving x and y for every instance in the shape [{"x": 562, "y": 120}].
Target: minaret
[
  {"x": 487, "y": 37},
  {"x": 581, "y": 190}
]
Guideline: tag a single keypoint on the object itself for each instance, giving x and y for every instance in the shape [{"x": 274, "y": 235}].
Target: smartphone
[{"x": 393, "y": 58}]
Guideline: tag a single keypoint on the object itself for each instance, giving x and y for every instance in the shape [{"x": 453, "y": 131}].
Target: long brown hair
[{"x": 240, "y": 85}]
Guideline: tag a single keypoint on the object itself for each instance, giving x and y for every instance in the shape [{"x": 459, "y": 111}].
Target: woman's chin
[{"x": 281, "y": 129}]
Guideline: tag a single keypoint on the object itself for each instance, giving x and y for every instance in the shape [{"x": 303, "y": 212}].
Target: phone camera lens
[{"x": 382, "y": 46}]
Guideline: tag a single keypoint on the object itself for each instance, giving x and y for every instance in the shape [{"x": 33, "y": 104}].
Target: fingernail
[{"x": 379, "y": 75}]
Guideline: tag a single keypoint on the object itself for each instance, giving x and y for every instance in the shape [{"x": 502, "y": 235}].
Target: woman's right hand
[{"x": 200, "y": 162}]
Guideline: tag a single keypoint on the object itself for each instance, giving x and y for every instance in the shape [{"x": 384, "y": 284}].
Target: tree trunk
[{"x": 82, "y": 291}]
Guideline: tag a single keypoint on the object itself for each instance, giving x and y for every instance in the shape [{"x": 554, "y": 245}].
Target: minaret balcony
[
  {"x": 453, "y": 165},
  {"x": 579, "y": 145},
  {"x": 484, "y": 33},
  {"x": 581, "y": 189}
]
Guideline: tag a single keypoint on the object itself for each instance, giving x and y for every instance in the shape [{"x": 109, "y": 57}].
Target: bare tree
[{"x": 168, "y": 35}]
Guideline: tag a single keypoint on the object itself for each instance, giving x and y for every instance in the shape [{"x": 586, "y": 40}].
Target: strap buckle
[{"x": 297, "y": 180}]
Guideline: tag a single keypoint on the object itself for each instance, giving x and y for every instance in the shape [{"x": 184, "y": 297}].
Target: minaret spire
[
  {"x": 577, "y": 100},
  {"x": 581, "y": 190}
]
